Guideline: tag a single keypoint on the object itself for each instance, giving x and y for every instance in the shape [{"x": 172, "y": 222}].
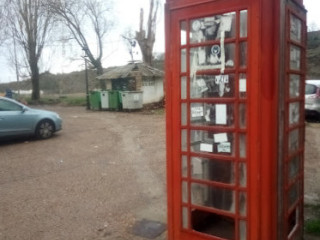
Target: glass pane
[
  {"x": 243, "y": 85},
  {"x": 294, "y": 167},
  {"x": 243, "y": 174},
  {"x": 242, "y": 145},
  {"x": 212, "y": 86},
  {"x": 184, "y": 190},
  {"x": 295, "y": 58},
  {"x": 211, "y": 28},
  {"x": 243, "y": 204},
  {"x": 184, "y": 140},
  {"x": 243, "y": 23},
  {"x": 242, "y": 115},
  {"x": 183, "y": 60},
  {"x": 293, "y": 142},
  {"x": 298, "y": 231},
  {"x": 243, "y": 230},
  {"x": 212, "y": 142},
  {"x": 183, "y": 87},
  {"x": 294, "y": 86},
  {"x": 213, "y": 224},
  {"x": 212, "y": 57},
  {"x": 184, "y": 114},
  {"x": 183, "y": 32},
  {"x": 184, "y": 166},
  {"x": 243, "y": 54},
  {"x": 213, "y": 170},
  {"x": 212, "y": 114},
  {"x": 293, "y": 221},
  {"x": 294, "y": 113},
  {"x": 185, "y": 218},
  {"x": 293, "y": 194},
  {"x": 211, "y": 196},
  {"x": 295, "y": 28}
]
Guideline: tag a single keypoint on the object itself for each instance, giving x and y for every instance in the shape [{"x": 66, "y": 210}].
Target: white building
[{"x": 135, "y": 77}]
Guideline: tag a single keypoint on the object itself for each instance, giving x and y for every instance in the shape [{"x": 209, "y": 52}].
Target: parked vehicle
[
  {"x": 16, "y": 119},
  {"x": 312, "y": 99}
]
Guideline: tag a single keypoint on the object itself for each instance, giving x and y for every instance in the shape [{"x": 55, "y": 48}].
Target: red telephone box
[{"x": 235, "y": 72}]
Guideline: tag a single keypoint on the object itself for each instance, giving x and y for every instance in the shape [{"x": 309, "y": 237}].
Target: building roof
[{"x": 130, "y": 70}]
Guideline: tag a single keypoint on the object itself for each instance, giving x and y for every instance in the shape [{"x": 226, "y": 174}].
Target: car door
[{"x": 14, "y": 119}]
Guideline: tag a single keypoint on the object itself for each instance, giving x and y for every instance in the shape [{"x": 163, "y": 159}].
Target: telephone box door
[{"x": 210, "y": 68}]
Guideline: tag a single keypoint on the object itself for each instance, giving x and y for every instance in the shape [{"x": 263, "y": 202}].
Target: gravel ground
[
  {"x": 93, "y": 180},
  {"x": 312, "y": 163},
  {"x": 98, "y": 176}
]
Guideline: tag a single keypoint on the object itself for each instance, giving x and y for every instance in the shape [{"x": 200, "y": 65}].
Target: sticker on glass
[
  {"x": 196, "y": 25},
  {"x": 222, "y": 83},
  {"x": 201, "y": 56},
  {"x": 202, "y": 85},
  {"x": 206, "y": 147},
  {"x": 226, "y": 23},
  {"x": 221, "y": 113},
  {"x": 197, "y": 111},
  {"x": 210, "y": 86},
  {"x": 210, "y": 28},
  {"x": 243, "y": 85},
  {"x": 224, "y": 147},
  {"x": 220, "y": 137}
]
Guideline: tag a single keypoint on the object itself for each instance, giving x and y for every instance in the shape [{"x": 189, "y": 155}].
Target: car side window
[
  {"x": 9, "y": 106},
  {"x": 311, "y": 89}
]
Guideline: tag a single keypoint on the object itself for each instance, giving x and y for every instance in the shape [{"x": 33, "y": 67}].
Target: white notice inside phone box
[{"x": 206, "y": 147}]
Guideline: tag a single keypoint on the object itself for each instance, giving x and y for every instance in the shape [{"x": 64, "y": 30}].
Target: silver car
[
  {"x": 312, "y": 99},
  {"x": 17, "y": 119}
]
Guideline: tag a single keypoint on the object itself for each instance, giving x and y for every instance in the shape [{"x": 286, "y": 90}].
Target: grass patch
[
  {"x": 58, "y": 100},
  {"x": 312, "y": 225},
  {"x": 74, "y": 101}
]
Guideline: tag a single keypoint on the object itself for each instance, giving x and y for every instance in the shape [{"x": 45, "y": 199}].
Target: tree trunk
[
  {"x": 99, "y": 67},
  {"x": 35, "y": 79},
  {"x": 146, "y": 38}
]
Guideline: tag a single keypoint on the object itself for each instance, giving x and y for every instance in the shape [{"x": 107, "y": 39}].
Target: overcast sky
[{"x": 127, "y": 15}]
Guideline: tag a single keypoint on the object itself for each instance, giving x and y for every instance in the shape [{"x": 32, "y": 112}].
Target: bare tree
[
  {"x": 3, "y": 30},
  {"x": 29, "y": 22},
  {"x": 313, "y": 27},
  {"x": 130, "y": 43},
  {"x": 146, "y": 38},
  {"x": 87, "y": 23}
]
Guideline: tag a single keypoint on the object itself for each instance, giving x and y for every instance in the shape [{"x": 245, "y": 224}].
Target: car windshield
[
  {"x": 9, "y": 106},
  {"x": 311, "y": 89}
]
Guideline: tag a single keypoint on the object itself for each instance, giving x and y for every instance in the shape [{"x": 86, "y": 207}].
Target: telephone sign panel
[{"x": 235, "y": 75}]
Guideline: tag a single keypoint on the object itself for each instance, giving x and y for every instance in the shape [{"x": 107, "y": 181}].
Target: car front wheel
[{"x": 45, "y": 129}]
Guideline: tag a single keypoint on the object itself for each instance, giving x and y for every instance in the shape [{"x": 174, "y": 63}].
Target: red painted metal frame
[
  {"x": 262, "y": 112},
  {"x": 298, "y": 205}
]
